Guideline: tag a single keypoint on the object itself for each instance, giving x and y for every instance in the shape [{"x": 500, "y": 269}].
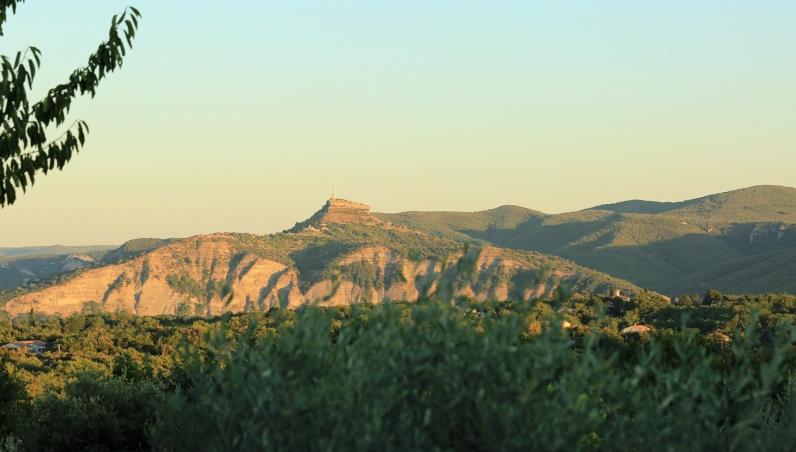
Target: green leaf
[
  {"x": 31, "y": 73},
  {"x": 80, "y": 135},
  {"x": 25, "y": 126},
  {"x": 11, "y": 194}
]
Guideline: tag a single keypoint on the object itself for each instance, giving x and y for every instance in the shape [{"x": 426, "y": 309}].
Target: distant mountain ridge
[
  {"x": 51, "y": 250},
  {"x": 460, "y": 224},
  {"x": 133, "y": 248},
  {"x": 738, "y": 241},
  {"x": 339, "y": 256},
  {"x": 641, "y": 206},
  {"x": 23, "y": 265},
  {"x": 654, "y": 244},
  {"x": 761, "y": 203}
]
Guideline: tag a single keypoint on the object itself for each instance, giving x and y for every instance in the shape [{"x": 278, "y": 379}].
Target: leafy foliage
[
  {"x": 427, "y": 375},
  {"x": 93, "y": 414},
  {"x": 433, "y": 377},
  {"x": 25, "y": 149}
]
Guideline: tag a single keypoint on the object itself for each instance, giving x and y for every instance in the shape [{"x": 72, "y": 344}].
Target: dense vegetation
[{"x": 713, "y": 372}]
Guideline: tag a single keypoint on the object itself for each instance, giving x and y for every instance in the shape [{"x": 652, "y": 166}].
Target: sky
[{"x": 241, "y": 116}]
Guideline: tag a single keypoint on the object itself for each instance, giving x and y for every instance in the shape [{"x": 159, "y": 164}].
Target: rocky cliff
[
  {"x": 338, "y": 211},
  {"x": 345, "y": 257},
  {"x": 209, "y": 275}
]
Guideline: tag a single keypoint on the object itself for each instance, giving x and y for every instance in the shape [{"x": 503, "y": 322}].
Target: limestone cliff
[
  {"x": 207, "y": 275},
  {"x": 341, "y": 255},
  {"x": 340, "y": 211}
]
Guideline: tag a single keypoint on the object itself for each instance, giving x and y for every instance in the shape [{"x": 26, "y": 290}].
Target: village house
[{"x": 34, "y": 346}]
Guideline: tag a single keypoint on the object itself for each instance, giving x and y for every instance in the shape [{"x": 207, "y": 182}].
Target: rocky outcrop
[
  {"x": 338, "y": 211},
  {"x": 340, "y": 255},
  {"x": 76, "y": 262},
  {"x": 210, "y": 275},
  {"x": 203, "y": 275}
]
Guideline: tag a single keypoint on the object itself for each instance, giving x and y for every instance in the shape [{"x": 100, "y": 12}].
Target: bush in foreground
[{"x": 434, "y": 376}]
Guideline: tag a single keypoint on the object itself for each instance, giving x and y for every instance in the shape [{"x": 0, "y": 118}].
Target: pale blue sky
[{"x": 240, "y": 116}]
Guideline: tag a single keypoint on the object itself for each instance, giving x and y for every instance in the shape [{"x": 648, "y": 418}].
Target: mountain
[
  {"x": 762, "y": 203},
  {"x": 738, "y": 241},
  {"x": 464, "y": 225},
  {"x": 52, "y": 250},
  {"x": 660, "y": 245},
  {"x": 342, "y": 254},
  {"x": 20, "y": 266},
  {"x": 769, "y": 272},
  {"x": 133, "y": 248}
]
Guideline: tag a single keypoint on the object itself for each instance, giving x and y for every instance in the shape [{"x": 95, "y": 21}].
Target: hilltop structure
[{"x": 339, "y": 211}]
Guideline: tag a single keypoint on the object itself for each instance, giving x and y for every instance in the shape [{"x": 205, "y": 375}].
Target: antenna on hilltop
[{"x": 332, "y": 191}]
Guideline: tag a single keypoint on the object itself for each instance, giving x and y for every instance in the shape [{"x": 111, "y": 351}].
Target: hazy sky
[{"x": 241, "y": 115}]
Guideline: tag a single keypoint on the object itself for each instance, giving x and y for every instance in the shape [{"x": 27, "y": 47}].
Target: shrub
[
  {"x": 434, "y": 376},
  {"x": 184, "y": 284},
  {"x": 96, "y": 414}
]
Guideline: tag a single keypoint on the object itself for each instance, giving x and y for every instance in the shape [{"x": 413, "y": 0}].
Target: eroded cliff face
[
  {"x": 210, "y": 275},
  {"x": 190, "y": 276}
]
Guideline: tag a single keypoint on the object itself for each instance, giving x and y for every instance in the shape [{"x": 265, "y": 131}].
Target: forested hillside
[{"x": 656, "y": 245}]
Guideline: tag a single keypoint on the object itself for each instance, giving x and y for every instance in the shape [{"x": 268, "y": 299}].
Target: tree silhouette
[{"x": 25, "y": 148}]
